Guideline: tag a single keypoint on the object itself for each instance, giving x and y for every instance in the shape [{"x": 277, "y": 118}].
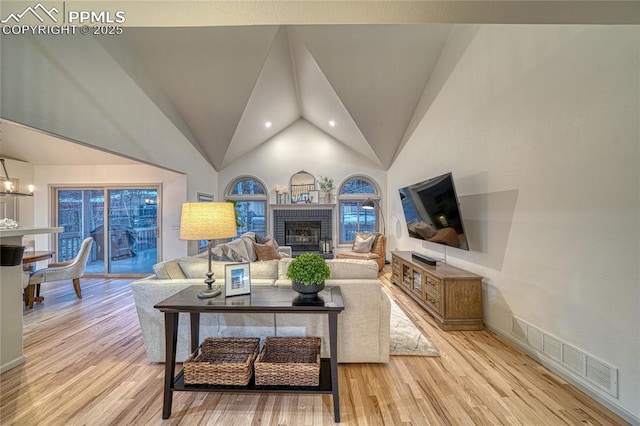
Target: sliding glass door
[{"x": 122, "y": 221}]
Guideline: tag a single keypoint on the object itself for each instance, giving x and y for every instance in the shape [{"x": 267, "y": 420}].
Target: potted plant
[
  {"x": 326, "y": 186},
  {"x": 308, "y": 272}
]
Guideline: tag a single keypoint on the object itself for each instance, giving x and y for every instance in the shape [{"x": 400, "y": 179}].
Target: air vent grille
[
  {"x": 552, "y": 347},
  {"x": 573, "y": 358},
  {"x": 573, "y": 361},
  {"x": 602, "y": 375}
]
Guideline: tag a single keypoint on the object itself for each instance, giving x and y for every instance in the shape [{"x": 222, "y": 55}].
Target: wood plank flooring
[{"x": 86, "y": 365}]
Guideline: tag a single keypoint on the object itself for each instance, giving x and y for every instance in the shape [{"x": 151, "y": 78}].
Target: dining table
[{"x": 36, "y": 256}]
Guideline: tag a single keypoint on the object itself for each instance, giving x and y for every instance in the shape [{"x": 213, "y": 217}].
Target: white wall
[
  {"x": 539, "y": 125},
  {"x": 302, "y": 146},
  {"x": 54, "y": 88},
  {"x": 173, "y": 193}
]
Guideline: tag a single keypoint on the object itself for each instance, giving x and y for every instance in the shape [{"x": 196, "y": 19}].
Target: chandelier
[{"x": 10, "y": 186}]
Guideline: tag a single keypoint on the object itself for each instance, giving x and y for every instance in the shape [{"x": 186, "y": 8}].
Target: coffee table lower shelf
[{"x": 324, "y": 385}]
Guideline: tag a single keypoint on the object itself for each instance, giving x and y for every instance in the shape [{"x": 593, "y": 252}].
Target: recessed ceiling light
[
  {"x": 332, "y": 123},
  {"x": 267, "y": 124}
]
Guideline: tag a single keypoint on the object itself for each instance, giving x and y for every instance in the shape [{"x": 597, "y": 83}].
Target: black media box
[{"x": 425, "y": 259}]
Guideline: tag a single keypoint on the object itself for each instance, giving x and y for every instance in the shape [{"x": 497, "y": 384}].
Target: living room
[{"x": 538, "y": 124}]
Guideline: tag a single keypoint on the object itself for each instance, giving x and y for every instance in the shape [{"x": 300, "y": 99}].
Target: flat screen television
[{"x": 432, "y": 212}]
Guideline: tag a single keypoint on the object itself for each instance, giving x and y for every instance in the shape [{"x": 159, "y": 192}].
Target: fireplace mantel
[{"x": 302, "y": 206}]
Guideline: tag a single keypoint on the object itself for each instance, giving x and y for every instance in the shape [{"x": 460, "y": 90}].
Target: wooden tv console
[{"x": 451, "y": 295}]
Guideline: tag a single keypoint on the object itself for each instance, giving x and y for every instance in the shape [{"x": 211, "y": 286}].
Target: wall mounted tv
[{"x": 432, "y": 212}]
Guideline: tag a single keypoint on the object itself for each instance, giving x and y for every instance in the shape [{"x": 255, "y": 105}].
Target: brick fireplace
[{"x": 301, "y": 229}]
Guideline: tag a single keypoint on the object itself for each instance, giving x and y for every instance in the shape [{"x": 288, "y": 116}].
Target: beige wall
[{"x": 539, "y": 125}]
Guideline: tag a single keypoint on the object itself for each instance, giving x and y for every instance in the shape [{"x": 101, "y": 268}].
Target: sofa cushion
[
  {"x": 283, "y": 267},
  {"x": 194, "y": 267},
  {"x": 266, "y": 251},
  {"x": 267, "y": 269},
  {"x": 352, "y": 269},
  {"x": 168, "y": 270}
]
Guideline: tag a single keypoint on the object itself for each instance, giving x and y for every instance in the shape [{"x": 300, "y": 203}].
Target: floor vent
[
  {"x": 573, "y": 361},
  {"x": 552, "y": 347},
  {"x": 602, "y": 375}
]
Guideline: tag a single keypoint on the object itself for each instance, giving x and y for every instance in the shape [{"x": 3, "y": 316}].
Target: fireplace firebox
[{"x": 302, "y": 236}]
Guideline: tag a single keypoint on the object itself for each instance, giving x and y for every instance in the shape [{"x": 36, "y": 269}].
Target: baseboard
[
  {"x": 9, "y": 365},
  {"x": 566, "y": 375}
]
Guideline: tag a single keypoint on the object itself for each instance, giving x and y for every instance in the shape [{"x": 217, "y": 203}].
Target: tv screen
[{"x": 432, "y": 212}]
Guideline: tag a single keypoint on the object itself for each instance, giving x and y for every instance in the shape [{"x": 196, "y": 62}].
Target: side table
[{"x": 261, "y": 300}]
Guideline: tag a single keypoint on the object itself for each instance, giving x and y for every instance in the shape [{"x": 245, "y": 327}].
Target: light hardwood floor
[{"x": 86, "y": 365}]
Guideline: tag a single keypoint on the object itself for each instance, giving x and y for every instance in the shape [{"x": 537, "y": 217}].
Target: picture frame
[
  {"x": 314, "y": 196},
  {"x": 237, "y": 279},
  {"x": 303, "y": 198}
]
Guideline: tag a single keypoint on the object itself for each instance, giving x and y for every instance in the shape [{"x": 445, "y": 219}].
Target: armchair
[
  {"x": 69, "y": 270},
  {"x": 377, "y": 252}
]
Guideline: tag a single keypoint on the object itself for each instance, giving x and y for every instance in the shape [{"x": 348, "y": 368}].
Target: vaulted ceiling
[
  {"x": 224, "y": 83},
  {"x": 220, "y": 70}
]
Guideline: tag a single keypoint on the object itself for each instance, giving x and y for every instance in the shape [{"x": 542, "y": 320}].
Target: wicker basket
[
  {"x": 222, "y": 361},
  {"x": 289, "y": 361}
]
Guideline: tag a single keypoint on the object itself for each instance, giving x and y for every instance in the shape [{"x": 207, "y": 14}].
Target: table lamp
[{"x": 208, "y": 221}]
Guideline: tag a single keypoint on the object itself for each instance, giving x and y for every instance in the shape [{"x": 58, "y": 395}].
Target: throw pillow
[
  {"x": 262, "y": 240},
  {"x": 248, "y": 245},
  {"x": 266, "y": 251},
  {"x": 362, "y": 244},
  {"x": 224, "y": 253},
  {"x": 240, "y": 248}
]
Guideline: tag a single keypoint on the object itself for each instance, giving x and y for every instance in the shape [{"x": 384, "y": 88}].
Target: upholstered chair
[
  {"x": 377, "y": 251},
  {"x": 69, "y": 270}
]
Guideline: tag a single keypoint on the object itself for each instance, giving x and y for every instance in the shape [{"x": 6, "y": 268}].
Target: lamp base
[{"x": 209, "y": 293}]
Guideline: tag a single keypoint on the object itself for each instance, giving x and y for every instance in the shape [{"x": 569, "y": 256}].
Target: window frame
[
  {"x": 359, "y": 198},
  {"x": 264, "y": 198}
]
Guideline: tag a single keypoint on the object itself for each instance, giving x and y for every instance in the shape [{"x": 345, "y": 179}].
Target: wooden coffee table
[{"x": 261, "y": 300}]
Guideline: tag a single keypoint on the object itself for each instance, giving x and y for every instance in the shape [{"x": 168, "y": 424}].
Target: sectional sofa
[{"x": 363, "y": 327}]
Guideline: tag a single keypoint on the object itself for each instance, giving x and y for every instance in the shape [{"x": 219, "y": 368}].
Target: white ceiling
[
  {"x": 23, "y": 143},
  {"x": 226, "y": 82},
  {"x": 219, "y": 85}
]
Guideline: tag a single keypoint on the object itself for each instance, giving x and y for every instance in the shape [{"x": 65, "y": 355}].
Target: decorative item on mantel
[
  {"x": 326, "y": 186},
  {"x": 308, "y": 272},
  {"x": 7, "y": 223},
  {"x": 282, "y": 194}
]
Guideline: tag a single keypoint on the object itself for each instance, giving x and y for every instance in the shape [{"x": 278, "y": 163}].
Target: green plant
[
  {"x": 325, "y": 183},
  {"x": 239, "y": 223},
  {"x": 308, "y": 269}
]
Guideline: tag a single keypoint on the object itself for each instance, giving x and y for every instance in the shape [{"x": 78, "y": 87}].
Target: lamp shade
[
  {"x": 368, "y": 204},
  {"x": 207, "y": 221}
]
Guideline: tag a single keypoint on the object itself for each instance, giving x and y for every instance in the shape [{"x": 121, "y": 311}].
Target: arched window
[
  {"x": 353, "y": 218},
  {"x": 251, "y": 200}
]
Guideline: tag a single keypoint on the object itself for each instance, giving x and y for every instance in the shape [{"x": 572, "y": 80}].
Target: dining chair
[{"x": 70, "y": 270}]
